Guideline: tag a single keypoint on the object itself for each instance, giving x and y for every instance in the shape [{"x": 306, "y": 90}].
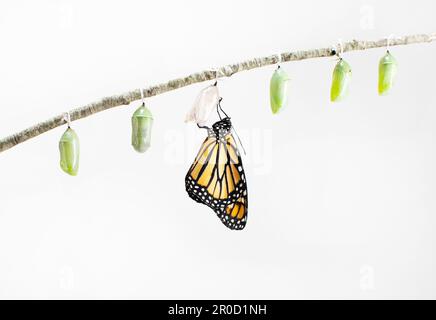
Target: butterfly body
[{"x": 217, "y": 179}]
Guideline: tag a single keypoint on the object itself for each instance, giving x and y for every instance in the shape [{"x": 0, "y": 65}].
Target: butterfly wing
[
  {"x": 217, "y": 179},
  {"x": 234, "y": 214}
]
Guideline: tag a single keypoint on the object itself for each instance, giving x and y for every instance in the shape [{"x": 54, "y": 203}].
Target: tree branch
[{"x": 225, "y": 71}]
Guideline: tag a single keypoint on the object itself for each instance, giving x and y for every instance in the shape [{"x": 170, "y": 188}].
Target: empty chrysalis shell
[
  {"x": 340, "y": 81},
  {"x": 278, "y": 90},
  {"x": 69, "y": 149},
  {"x": 142, "y": 122},
  {"x": 387, "y": 70},
  {"x": 205, "y": 102}
]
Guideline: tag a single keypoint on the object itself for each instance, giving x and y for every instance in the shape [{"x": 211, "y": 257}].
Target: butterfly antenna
[
  {"x": 218, "y": 111},
  {"x": 220, "y": 108}
]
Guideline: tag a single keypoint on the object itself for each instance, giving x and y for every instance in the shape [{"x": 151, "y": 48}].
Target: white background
[{"x": 341, "y": 196}]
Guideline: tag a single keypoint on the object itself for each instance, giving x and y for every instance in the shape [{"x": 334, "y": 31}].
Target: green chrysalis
[
  {"x": 341, "y": 78},
  {"x": 387, "y": 70},
  {"x": 142, "y": 122},
  {"x": 278, "y": 90},
  {"x": 69, "y": 149}
]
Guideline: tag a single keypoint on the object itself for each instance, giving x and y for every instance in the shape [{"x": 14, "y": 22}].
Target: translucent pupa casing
[
  {"x": 205, "y": 102},
  {"x": 278, "y": 90},
  {"x": 387, "y": 70},
  {"x": 142, "y": 123},
  {"x": 69, "y": 149},
  {"x": 340, "y": 81}
]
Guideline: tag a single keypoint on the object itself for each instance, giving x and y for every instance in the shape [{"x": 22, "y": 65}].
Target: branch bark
[{"x": 225, "y": 71}]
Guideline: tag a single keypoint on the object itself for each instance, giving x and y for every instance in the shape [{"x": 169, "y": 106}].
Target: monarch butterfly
[
  {"x": 341, "y": 78},
  {"x": 216, "y": 178}
]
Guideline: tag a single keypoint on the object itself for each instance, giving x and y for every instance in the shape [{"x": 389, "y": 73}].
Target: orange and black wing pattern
[{"x": 217, "y": 178}]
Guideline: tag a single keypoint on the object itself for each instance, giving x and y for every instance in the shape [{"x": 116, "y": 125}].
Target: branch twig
[{"x": 226, "y": 71}]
